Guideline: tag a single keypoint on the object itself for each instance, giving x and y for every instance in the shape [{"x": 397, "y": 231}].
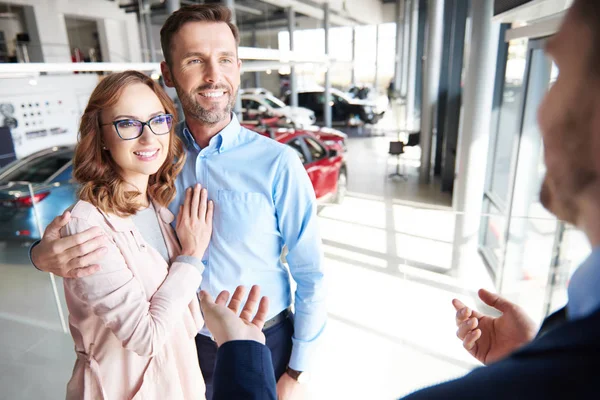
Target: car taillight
[{"x": 27, "y": 201}]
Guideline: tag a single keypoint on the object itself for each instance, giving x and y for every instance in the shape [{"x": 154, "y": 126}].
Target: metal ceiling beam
[{"x": 314, "y": 12}]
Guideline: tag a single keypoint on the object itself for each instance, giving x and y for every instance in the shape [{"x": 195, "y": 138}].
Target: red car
[{"x": 322, "y": 152}]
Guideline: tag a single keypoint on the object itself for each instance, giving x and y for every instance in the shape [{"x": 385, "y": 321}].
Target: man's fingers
[
  {"x": 261, "y": 315},
  {"x": 251, "y": 303},
  {"x": 205, "y": 299},
  {"x": 203, "y": 206},
  {"x": 87, "y": 259},
  {"x": 83, "y": 272},
  {"x": 63, "y": 244},
  {"x": 462, "y": 315},
  {"x": 237, "y": 299},
  {"x": 466, "y": 327},
  {"x": 471, "y": 339},
  {"x": 222, "y": 298},
  {"x": 53, "y": 229},
  {"x": 493, "y": 300},
  {"x": 458, "y": 305},
  {"x": 86, "y": 248}
]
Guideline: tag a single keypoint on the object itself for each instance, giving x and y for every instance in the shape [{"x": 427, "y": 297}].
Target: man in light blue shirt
[
  {"x": 263, "y": 201},
  {"x": 262, "y": 195}
]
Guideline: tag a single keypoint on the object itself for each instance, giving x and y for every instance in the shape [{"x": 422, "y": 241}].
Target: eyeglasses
[{"x": 129, "y": 129}]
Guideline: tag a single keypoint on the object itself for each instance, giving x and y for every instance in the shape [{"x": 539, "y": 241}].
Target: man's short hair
[{"x": 194, "y": 13}]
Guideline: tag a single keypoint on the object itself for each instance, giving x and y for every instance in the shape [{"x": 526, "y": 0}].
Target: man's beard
[
  {"x": 192, "y": 108},
  {"x": 564, "y": 182}
]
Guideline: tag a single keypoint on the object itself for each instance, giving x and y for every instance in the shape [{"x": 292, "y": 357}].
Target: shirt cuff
[
  {"x": 29, "y": 252},
  {"x": 195, "y": 261},
  {"x": 303, "y": 353}
]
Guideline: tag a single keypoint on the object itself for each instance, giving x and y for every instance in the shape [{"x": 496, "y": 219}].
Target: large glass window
[{"x": 508, "y": 124}]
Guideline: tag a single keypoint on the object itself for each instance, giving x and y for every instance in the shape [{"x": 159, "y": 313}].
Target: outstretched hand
[
  {"x": 222, "y": 319},
  {"x": 490, "y": 339}
]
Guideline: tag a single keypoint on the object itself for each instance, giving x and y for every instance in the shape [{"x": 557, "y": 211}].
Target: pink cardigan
[{"x": 134, "y": 322}]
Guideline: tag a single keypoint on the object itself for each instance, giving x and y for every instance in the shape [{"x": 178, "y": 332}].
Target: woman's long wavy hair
[{"x": 95, "y": 169}]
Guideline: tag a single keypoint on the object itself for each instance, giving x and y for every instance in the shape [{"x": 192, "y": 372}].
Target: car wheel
[{"x": 342, "y": 187}]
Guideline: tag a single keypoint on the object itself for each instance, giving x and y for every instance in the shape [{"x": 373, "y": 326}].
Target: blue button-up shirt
[
  {"x": 263, "y": 200},
  {"x": 584, "y": 293}
]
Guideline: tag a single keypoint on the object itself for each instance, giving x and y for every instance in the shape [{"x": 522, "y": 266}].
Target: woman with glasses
[{"x": 134, "y": 322}]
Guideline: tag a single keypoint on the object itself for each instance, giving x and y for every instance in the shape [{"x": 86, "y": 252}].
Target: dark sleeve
[
  {"x": 31, "y": 248},
  {"x": 244, "y": 370}
]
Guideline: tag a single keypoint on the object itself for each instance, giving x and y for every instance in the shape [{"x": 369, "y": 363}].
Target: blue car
[{"x": 49, "y": 172}]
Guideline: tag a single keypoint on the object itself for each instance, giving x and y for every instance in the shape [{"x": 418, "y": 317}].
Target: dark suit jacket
[
  {"x": 563, "y": 362},
  {"x": 244, "y": 371}
]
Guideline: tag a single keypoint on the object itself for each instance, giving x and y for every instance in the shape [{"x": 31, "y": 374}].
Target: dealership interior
[{"x": 414, "y": 119}]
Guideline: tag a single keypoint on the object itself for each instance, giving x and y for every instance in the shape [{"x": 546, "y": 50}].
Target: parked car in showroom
[
  {"x": 258, "y": 104},
  {"x": 343, "y": 109},
  {"x": 322, "y": 152},
  {"x": 49, "y": 172},
  {"x": 367, "y": 92}
]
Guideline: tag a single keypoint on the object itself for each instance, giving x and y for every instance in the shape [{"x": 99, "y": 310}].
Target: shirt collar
[
  {"x": 221, "y": 141},
  {"x": 584, "y": 293}
]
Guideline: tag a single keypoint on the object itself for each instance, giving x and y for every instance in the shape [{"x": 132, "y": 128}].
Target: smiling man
[{"x": 262, "y": 194}]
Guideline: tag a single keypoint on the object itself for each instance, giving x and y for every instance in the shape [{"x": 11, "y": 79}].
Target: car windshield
[
  {"x": 341, "y": 95},
  {"x": 39, "y": 169},
  {"x": 274, "y": 102}
]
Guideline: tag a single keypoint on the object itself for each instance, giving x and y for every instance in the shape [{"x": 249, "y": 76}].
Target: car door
[
  {"x": 321, "y": 167},
  {"x": 299, "y": 146}
]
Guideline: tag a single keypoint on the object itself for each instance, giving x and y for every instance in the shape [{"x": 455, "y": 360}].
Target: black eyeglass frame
[{"x": 147, "y": 123}]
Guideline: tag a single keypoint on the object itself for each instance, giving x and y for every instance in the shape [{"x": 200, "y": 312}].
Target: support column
[
  {"x": 405, "y": 47},
  {"x": 146, "y": 11},
  {"x": 326, "y": 105},
  {"x": 410, "y": 119},
  {"x": 256, "y": 73},
  {"x": 474, "y": 136},
  {"x": 376, "y": 79},
  {"x": 238, "y": 101},
  {"x": 399, "y": 41},
  {"x": 451, "y": 121},
  {"x": 172, "y": 6},
  {"x": 231, "y": 5},
  {"x": 353, "y": 78},
  {"x": 438, "y": 156},
  {"x": 431, "y": 75},
  {"x": 143, "y": 32},
  {"x": 421, "y": 37},
  {"x": 293, "y": 79}
]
